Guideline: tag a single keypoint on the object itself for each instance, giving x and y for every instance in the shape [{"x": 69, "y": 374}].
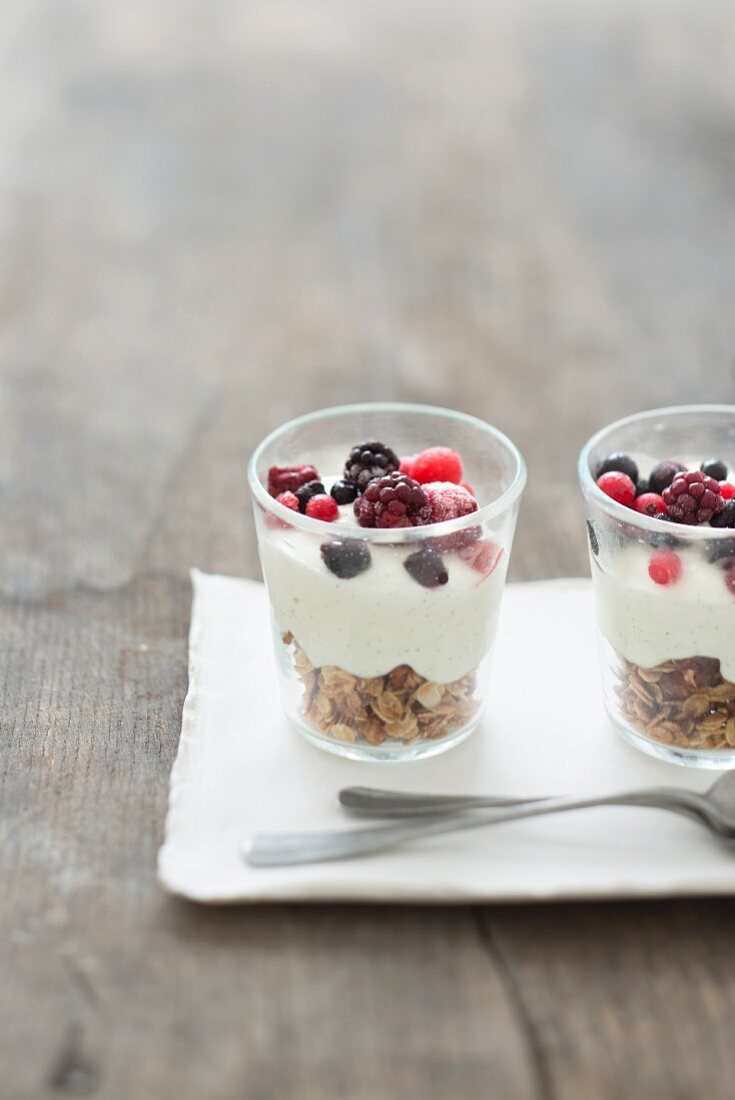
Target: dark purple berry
[
  {"x": 725, "y": 518},
  {"x": 393, "y": 501},
  {"x": 346, "y": 558},
  {"x": 721, "y": 550},
  {"x": 618, "y": 463},
  {"x": 369, "y": 460},
  {"x": 305, "y": 492},
  {"x": 714, "y": 467},
  {"x": 427, "y": 568},
  {"x": 344, "y": 492},
  {"x": 642, "y": 487},
  {"x": 663, "y": 473}
]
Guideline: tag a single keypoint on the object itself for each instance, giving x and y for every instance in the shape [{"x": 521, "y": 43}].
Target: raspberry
[
  {"x": 448, "y": 501},
  {"x": 664, "y": 567},
  {"x": 619, "y": 464},
  {"x": 663, "y": 473},
  {"x": 437, "y": 464},
  {"x": 618, "y": 486},
  {"x": 727, "y": 490},
  {"x": 483, "y": 555},
  {"x": 427, "y": 568},
  {"x": 344, "y": 492},
  {"x": 468, "y": 488},
  {"x": 346, "y": 558},
  {"x": 649, "y": 504},
  {"x": 369, "y": 460},
  {"x": 730, "y": 579},
  {"x": 393, "y": 501},
  {"x": 305, "y": 492},
  {"x": 320, "y": 506},
  {"x": 405, "y": 465},
  {"x": 693, "y": 498},
  {"x": 288, "y": 500},
  {"x": 283, "y": 479},
  {"x": 714, "y": 467}
]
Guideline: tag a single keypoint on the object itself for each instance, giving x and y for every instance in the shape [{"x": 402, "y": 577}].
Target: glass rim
[
  {"x": 489, "y": 511},
  {"x": 628, "y": 515}
]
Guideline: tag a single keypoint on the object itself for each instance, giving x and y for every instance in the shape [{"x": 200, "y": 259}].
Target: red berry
[
  {"x": 693, "y": 498},
  {"x": 468, "y": 488},
  {"x": 289, "y": 500},
  {"x": 322, "y": 507},
  {"x": 730, "y": 579},
  {"x": 727, "y": 490},
  {"x": 664, "y": 567},
  {"x": 282, "y": 479},
  {"x": 618, "y": 486},
  {"x": 650, "y": 504},
  {"x": 482, "y": 555},
  {"x": 437, "y": 464},
  {"x": 406, "y": 463},
  {"x": 449, "y": 501}
]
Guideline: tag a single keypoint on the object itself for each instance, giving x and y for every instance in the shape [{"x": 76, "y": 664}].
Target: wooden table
[{"x": 213, "y": 217}]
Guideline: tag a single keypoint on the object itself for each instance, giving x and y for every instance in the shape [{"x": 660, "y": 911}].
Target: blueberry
[
  {"x": 663, "y": 473},
  {"x": 344, "y": 491},
  {"x": 427, "y": 568},
  {"x": 624, "y": 464},
  {"x": 642, "y": 486},
  {"x": 306, "y": 492},
  {"x": 714, "y": 467},
  {"x": 594, "y": 541},
  {"x": 721, "y": 550},
  {"x": 346, "y": 558},
  {"x": 725, "y": 518}
]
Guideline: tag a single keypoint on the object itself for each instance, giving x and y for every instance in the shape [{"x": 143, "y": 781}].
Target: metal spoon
[{"x": 715, "y": 809}]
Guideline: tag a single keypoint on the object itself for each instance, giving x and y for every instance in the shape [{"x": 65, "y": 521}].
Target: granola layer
[
  {"x": 400, "y": 706},
  {"x": 686, "y": 703}
]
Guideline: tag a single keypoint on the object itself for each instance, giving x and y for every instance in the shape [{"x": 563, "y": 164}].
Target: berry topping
[
  {"x": 282, "y": 479},
  {"x": 305, "y": 492},
  {"x": 650, "y": 504},
  {"x": 344, "y": 492},
  {"x": 693, "y": 498},
  {"x": 369, "y": 460},
  {"x": 427, "y": 568},
  {"x": 449, "y": 501},
  {"x": 714, "y": 467},
  {"x": 483, "y": 555},
  {"x": 393, "y": 501},
  {"x": 618, "y": 463},
  {"x": 663, "y": 473},
  {"x": 346, "y": 558},
  {"x": 726, "y": 516},
  {"x": 727, "y": 490},
  {"x": 617, "y": 485},
  {"x": 664, "y": 567},
  {"x": 437, "y": 464},
  {"x": 320, "y": 506},
  {"x": 289, "y": 500},
  {"x": 730, "y": 579}
]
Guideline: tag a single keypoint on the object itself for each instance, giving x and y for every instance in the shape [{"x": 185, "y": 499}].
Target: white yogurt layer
[
  {"x": 382, "y": 618},
  {"x": 649, "y": 623}
]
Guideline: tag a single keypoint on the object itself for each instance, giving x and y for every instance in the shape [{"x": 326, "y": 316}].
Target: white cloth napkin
[{"x": 240, "y": 768}]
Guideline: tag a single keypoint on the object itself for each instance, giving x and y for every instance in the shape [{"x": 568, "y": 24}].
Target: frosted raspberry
[
  {"x": 449, "y": 501},
  {"x": 483, "y": 555},
  {"x": 282, "y": 479},
  {"x": 289, "y": 500},
  {"x": 437, "y": 464}
]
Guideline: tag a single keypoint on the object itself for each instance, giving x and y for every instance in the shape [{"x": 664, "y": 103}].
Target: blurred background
[{"x": 216, "y": 216}]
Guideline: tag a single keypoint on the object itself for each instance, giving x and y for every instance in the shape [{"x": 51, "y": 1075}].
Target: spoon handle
[
  {"x": 375, "y": 802},
  {"x": 281, "y": 849}
]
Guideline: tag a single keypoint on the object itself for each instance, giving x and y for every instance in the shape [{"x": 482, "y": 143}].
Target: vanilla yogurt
[
  {"x": 649, "y": 623},
  {"x": 369, "y": 624}
]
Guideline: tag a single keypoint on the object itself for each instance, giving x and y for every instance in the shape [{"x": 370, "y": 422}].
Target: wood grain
[{"x": 213, "y": 217}]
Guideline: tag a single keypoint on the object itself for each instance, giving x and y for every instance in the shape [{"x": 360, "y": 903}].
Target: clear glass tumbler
[
  {"x": 667, "y": 649},
  {"x": 376, "y": 665}
]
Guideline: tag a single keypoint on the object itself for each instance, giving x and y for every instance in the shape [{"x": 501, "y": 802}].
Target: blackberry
[
  {"x": 427, "y": 568},
  {"x": 305, "y": 492},
  {"x": 344, "y": 492},
  {"x": 714, "y": 467},
  {"x": 618, "y": 463},
  {"x": 369, "y": 460},
  {"x": 393, "y": 501},
  {"x": 725, "y": 518},
  {"x": 663, "y": 473},
  {"x": 346, "y": 558},
  {"x": 693, "y": 498}
]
